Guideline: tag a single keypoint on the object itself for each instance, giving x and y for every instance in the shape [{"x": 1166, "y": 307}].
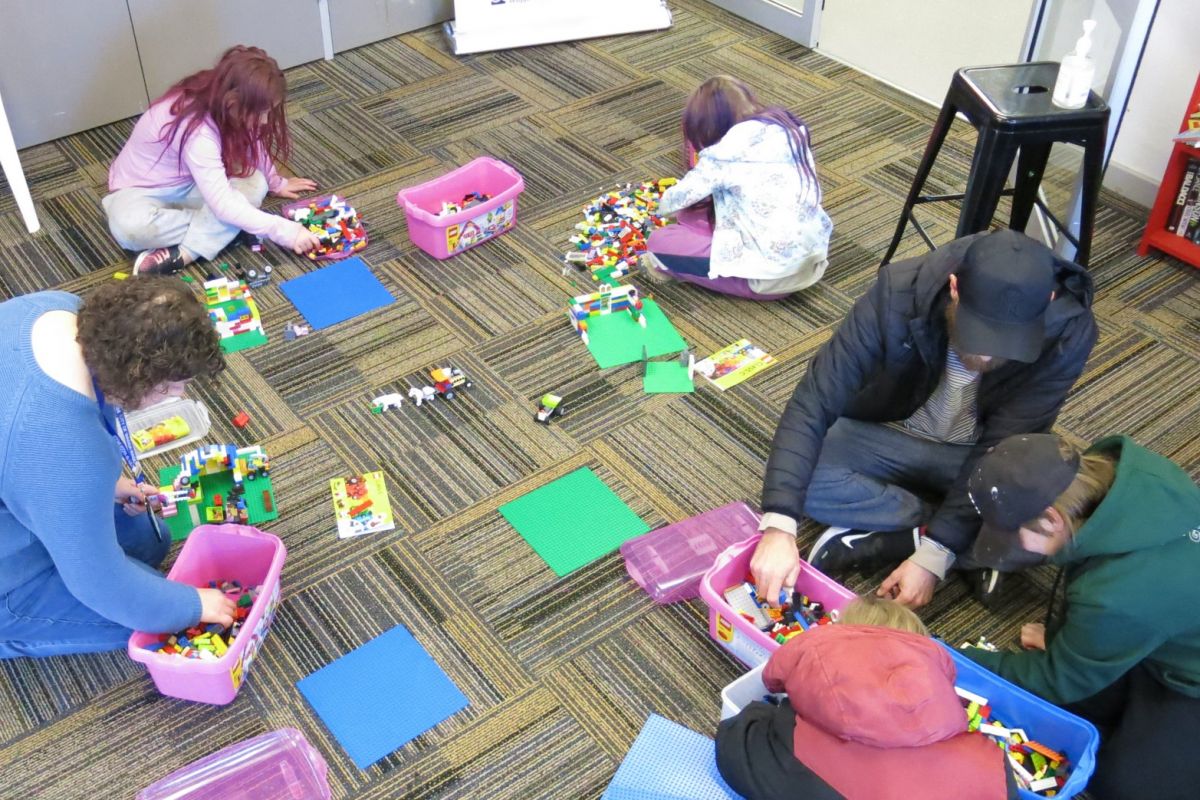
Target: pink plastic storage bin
[
  {"x": 669, "y": 562},
  {"x": 747, "y": 643},
  {"x": 276, "y": 765},
  {"x": 219, "y": 552},
  {"x": 445, "y": 236}
]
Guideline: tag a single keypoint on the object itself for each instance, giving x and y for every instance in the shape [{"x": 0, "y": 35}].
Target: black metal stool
[{"x": 1010, "y": 107}]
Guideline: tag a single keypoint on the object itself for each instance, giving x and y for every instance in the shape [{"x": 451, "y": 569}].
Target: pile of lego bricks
[
  {"x": 615, "y": 227},
  {"x": 469, "y": 200},
  {"x": 209, "y": 642},
  {"x": 794, "y": 615},
  {"x": 336, "y": 223},
  {"x": 1037, "y": 768}
]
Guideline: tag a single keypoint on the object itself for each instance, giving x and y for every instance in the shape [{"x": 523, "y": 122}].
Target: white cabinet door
[{"x": 67, "y": 65}]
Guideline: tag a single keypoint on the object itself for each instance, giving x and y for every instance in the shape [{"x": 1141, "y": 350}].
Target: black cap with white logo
[{"x": 1013, "y": 483}]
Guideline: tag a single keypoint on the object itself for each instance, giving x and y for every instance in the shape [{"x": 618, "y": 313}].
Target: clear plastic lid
[{"x": 280, "y": 765}]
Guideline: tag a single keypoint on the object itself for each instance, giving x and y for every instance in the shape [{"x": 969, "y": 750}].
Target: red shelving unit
[{"x": 1157, "y": 236}]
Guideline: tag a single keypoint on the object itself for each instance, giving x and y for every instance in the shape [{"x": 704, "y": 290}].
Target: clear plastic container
[
  {"x": 280, "y": 765},
  {"x": 194, "y": 413},
  {"x": 669, "y": 562}
]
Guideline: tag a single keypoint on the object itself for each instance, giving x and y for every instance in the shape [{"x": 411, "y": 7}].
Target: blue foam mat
[
  {"x": 333, "y": 294},
  {"x": 379, "y": 697},
  {"x": 669, "y": 762}
]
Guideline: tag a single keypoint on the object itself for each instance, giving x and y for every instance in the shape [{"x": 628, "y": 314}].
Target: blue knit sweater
[{"x": 58, "y": 473}]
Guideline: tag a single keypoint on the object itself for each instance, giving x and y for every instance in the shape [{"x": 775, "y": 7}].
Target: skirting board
[{"x": 480, "y": 26}]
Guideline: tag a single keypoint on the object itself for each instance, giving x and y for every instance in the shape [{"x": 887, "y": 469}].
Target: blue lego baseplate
[{"x": 669, "y": 762}]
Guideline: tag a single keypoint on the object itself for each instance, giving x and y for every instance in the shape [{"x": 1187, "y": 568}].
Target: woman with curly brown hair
[{"x": 78, "y": 550}]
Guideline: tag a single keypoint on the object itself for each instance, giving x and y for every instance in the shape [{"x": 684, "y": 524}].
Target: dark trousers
[
  {"x": 1148, "y": 740},
  {"x": 42, "y": 617},
  {"x": 877, "y": 478}
]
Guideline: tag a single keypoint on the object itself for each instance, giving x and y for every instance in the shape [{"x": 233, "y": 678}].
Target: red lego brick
[{"x": 241, "y": 420}]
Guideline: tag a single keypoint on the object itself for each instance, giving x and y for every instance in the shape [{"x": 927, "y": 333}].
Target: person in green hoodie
[{"x": 1124, "y": 523}]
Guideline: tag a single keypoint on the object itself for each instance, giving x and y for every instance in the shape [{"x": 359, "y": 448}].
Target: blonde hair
[
  {"x": 882, "y": 612},
  {"x": 1096, "y": 474}
]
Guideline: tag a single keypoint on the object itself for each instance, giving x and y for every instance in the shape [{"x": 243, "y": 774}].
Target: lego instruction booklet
[{"x": 360, "y": 505}]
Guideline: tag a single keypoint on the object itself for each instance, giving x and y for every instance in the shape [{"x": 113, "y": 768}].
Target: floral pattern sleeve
[{"x": 701, "y": 181}]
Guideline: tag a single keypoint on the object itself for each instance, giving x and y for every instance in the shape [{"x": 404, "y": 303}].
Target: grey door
[
  {"x": 68, "y": 65},
  {"x": 358, "y": 22},
  {"x": 179, "y": 37}
]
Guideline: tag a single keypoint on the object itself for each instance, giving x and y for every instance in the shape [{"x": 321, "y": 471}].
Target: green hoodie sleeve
[{"x": 1095, "y": 647}]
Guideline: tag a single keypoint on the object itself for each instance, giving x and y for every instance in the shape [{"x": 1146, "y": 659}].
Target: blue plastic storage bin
[{"x": 1043, "y": 721}]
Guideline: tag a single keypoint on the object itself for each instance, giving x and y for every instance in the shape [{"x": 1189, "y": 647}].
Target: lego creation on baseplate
[
  {"x": 234, "y": 314},
  {"x": 619, "y": 327},
  {"x": 361, "y": 505},
  {"x": 215, "y": 484}
]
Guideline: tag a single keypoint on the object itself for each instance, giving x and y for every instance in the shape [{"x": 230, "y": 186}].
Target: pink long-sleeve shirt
[{"x": 144, "y": 163}]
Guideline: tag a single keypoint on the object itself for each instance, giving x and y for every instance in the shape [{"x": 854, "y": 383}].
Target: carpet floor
[{"x": 560, "y": 673}]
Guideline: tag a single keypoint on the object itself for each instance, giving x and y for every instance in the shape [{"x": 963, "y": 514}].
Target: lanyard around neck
[{"x": 125, "y": 442}]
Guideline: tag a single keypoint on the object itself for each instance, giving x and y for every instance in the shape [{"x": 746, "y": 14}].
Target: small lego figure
[
  {"x": 549, "y": 405},
  {"x": 422, "y": 394},
  {"x": 295, "y": 330}
]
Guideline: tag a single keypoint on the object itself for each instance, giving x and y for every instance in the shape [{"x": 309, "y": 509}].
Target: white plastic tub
[{"x": 743, "y": 691}]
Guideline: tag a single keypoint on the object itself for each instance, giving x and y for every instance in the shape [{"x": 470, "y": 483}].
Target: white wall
[
  {"x": 1157, "y": 104},
  {"x": 917, "y": 46}
]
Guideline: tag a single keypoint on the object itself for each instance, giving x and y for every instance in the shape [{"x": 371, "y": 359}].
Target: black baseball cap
[
  {"x": 1012, "y": 483},
  {"x": 1004, "y": 286}
]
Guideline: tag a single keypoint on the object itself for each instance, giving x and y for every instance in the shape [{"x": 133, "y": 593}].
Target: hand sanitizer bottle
[{"x": 1076, "y": 73}]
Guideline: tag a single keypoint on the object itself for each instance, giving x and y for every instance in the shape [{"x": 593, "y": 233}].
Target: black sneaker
[
  {"x": 160, "y": 261},
  {"x": 985, "y": 586},
  {"x": 846, "y": 548}
]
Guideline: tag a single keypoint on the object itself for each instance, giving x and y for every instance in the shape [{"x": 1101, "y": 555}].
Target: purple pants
[{"x": 683, "y": 248}]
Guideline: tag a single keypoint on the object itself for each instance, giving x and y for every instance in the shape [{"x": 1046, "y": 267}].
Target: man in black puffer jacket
[{"x": 943, "y": 357}]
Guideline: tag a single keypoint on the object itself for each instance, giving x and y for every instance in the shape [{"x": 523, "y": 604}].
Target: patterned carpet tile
[
  {"x": 120, "y": 741},
  {"x": 382, "y": 67},
  {"x": 561, "y": 672},
  {"x": 339, "y": 144},
  {"x": 446, "y": 107},
  {"x": 552, "y": 75}
]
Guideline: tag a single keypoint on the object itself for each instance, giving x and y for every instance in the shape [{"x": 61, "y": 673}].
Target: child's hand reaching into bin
[{"x": 215, "y": 606}]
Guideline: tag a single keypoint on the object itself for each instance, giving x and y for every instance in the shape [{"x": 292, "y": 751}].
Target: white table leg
[
  {"x": 11, "y": 164},
  {"x": 326, "y": 30}
]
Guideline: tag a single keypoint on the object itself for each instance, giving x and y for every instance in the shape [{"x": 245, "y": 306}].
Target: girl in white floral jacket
[{"x": 768, "y": 235}]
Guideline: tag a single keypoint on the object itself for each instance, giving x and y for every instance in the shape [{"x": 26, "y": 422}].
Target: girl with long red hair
[{"x": 199, "y": 163}]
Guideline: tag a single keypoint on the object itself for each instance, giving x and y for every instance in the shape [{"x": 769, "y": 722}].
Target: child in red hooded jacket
[{"x": 871, "y": 715}]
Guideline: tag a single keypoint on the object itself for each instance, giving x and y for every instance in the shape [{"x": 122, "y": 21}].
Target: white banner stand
[{"x": 482, "y": 25}]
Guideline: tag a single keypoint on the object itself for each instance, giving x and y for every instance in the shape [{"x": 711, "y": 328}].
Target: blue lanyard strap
[{"x": 125, "y": 442}]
